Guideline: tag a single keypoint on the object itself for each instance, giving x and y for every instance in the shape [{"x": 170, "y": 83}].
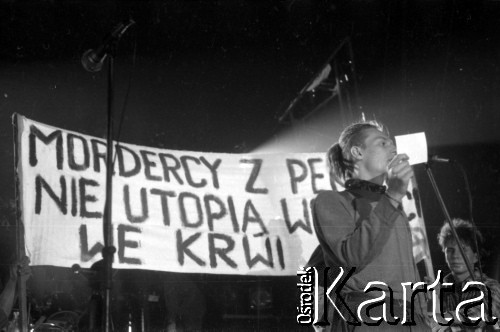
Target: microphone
[
  {"x": 438, "y": 159},
  {"x": 92, "y": 60}
]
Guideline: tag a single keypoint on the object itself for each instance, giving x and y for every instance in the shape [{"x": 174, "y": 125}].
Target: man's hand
[{"x": 398, "y": 176}]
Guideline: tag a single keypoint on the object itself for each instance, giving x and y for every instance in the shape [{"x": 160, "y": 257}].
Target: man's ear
[{"x": 356, "y": 152}]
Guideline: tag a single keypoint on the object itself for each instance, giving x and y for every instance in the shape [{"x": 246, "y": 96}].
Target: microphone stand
[
  {"x": 109, "y": 250},
  {"x": 448, "y": 219},
  {"x": 92, "y": 61}
]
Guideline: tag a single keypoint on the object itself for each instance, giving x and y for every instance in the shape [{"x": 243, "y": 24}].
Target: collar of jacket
[{"x": 356, "y": 184}]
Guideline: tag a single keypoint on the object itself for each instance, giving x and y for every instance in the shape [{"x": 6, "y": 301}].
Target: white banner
[{"x": 180, "y": 211}]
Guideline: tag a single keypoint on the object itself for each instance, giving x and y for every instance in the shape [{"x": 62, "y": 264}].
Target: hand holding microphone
[{"x": 399, "y": 175}]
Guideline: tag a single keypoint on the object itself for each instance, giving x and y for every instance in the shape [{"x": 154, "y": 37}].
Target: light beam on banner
[{"x": 316, "y": 134}]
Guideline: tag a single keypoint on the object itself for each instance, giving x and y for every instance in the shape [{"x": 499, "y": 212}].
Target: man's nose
[{"x": 391, "y": 144}]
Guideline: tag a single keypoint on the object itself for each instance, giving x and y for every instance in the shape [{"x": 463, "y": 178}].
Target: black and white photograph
[{"x": 237, "y": 165}]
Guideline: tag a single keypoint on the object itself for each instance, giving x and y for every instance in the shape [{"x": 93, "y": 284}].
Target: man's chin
[{"x": 458, "y": 270}]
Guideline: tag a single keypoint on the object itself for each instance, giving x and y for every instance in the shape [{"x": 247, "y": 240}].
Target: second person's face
[{"x": 456, "y": 262}]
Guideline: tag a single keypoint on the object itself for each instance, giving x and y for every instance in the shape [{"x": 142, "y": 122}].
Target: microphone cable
[
  {"x": 471, "y": 216},
  {"x": 127, "y": 91}
]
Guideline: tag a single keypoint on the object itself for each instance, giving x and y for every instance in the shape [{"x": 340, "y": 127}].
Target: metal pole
[
  {"x": 20, "y": 253},
  {"x": 448, "y": 219},
  {"x": 108, "y": 250}
]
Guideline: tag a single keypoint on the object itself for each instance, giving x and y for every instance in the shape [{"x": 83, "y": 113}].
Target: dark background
[{"x": 217, "y": 75}]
